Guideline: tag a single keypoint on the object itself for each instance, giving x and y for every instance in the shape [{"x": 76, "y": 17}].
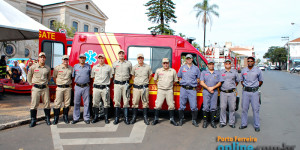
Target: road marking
[{"x": 136, "y": 136}]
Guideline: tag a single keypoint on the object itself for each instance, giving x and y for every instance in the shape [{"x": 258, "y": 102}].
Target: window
[
  {"x": 194, "y": 59},
  {"x": 10, "y": 50},
  {"x": 54, "y": 52},
  {"x": 202, "y": 64},
  {"x": 152, "y": 55},
  {"x": 95, "y": 29},
  {"x": 75, "y": 25},
  {"x": 52, "y": 27},
  {"x": 27, "y": 52},
  {"x": 85, "y": 28}
]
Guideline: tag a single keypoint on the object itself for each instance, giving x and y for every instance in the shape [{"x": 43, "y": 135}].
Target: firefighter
[
  {"x": 228, "y": 94},
  {"x": 81, "y": 73},
  {"x": 121, "y": 71},
  {"x": 3, "y": 67},
  {"x": 141, "y": 75},
  {"x": 189, "y": 78},
  {"x": 210, "y": 81},
  {"x": 39, "y": 75},
  {"x": 102, "y": 74},
  {"x": 62, "y": 75},
  {"x": 251, "y": 80},
  {"x": 165, "y": 78}
]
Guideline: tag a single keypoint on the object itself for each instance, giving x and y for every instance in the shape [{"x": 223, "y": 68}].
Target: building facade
[
  {"x": 83, "y": 15},
  {"x": 294, "y": 47}
]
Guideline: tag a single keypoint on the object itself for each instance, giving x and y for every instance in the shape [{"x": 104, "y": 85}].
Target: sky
[{"x": 258, "y": 23}]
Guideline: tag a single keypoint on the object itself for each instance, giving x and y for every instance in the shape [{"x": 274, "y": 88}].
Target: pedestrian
[
  {"x": 141, "y": 75},
  {"x": 28, "y": 66},
  {"x": 23, "y": 70},
  {"x": 81, "y": 73},
  {"x": 39, "y": 75},
  {"x": 121, "y": 71},
  {"x": 189, "y": 78},
  {"x": 102, "y": 75},
  {"x": 15, "y": 72},
  {"x": 210, "y": 81},
  {"x": 251, "y": 80},
  {"x": 165, "y": 78},
  {"x": 228, "y": 94},
  {"x": 62, "y": 76},
  {"x": 3, "y": 67}
]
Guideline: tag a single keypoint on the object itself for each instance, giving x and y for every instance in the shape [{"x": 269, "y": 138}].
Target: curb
[{"x": 25, "y": 121}]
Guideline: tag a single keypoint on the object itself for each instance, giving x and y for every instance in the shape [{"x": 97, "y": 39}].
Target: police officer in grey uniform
[
  {"x": 81, "y": 73},
  {"x": 210, "y": 81},
  {"x": 189, "y": 77},
  {"x": 228, "y": 94},
  {"x": 121, "y": 71},
  {"x": 251, "y": 80},
  {"x": 102, "y": 74}
]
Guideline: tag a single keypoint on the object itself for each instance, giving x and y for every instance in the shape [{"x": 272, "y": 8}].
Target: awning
[{"x": 15, "y": 25}]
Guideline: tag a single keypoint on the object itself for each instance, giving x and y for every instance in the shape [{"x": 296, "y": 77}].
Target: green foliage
[
  {"x": 59, "y": 25},
  {"x": 182, "y": 35},
  {"x": 196, "y": 45},
  {"x": 161, "y": 12},
  {"x": 276, "y": 54}
]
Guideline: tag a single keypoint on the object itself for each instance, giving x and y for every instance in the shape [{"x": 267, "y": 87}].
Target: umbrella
[{"x": 15, "y": 25}]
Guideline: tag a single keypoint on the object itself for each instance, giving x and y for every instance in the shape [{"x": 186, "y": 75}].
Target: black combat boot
[
  {"x": 172, "y": 121},
  {"x": 33, "y": 117},
  {"x": 181, "y": 117},
  {"x": 65, "y": 115},
  {"x": 96, "y": 112},
  {"x": 156, "y": 116},
  {"x": 145, "y": 114},
  {"x": 117, "y": 115},
  {"x": 106, "y": 115},
  {"x": 213, "y": 118},
  {"x": 205, "y": 122},
  {"x": 134, "y": 114},
  {"x": 47, "y": 116},
  {"x": 56, "y": 116},
  {"x": 194, "y": 118},
  {"x": 126, "y": 120}
]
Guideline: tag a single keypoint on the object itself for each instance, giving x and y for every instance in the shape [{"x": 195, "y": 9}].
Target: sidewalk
[{"x": 15, "y": 110}]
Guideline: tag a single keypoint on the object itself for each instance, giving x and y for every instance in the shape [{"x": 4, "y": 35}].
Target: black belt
[
  {"x": 188, "y": 87},
  {"x": 140, "y": 86},
  {"x": 250, "y": 89},
  {"x": 63, "y": 86},
  {"x": 39, "y": 86},
  {"x": 82, "y": 85},
  {"x": 120, "y": 82},
  {"x": 228, "y": 91},
  {"x": 100, "y": 86}
]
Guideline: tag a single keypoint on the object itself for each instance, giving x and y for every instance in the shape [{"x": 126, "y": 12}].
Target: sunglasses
[{"x": 250, "y": 61}]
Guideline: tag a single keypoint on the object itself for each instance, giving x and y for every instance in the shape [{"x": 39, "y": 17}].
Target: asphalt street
[{"x": 279, "y": 115}]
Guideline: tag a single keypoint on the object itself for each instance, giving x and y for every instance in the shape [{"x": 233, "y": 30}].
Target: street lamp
[{"x": 288, "y": 50}]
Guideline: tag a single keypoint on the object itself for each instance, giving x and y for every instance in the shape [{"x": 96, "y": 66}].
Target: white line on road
[{"x": 136, "y": 136}]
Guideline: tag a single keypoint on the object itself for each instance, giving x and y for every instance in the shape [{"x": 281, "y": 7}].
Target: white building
[
  {"x": 294, "y": 46},
  {"x": 83, "y": 15}
]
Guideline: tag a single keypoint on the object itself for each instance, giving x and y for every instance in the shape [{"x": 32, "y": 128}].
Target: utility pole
[{"x": 288, "y": 51}]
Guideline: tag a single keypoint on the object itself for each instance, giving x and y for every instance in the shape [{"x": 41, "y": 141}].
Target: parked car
[
  {"x": 262, "y": 68},
  {"x": 277, "y": 68},
  {"x": 272, "y": 67},
  {"x": 295, "y": 69}
]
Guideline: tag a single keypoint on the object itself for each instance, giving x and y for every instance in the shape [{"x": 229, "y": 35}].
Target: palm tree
[{"x": 204, "y": 12}]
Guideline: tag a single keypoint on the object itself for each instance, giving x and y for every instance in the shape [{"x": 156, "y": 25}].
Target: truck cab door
[{"x": 53, "y": 44}]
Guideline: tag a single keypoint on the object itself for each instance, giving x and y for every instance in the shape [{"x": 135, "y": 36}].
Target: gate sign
[{"x": 62, "y": 30}]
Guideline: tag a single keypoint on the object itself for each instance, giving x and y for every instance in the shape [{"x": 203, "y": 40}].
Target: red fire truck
[{"x": 154, "y": 47}]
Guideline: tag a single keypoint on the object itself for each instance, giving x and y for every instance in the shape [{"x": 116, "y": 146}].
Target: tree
[
  {"x": 182, "y": 35},
  {"x": 59, "y": 25},
  {"x": 276, "y": 54},
  {"x": 162, "y": 12},
  {"x": 204, "y": 14},
  {"x": 197, "y": 46}
]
